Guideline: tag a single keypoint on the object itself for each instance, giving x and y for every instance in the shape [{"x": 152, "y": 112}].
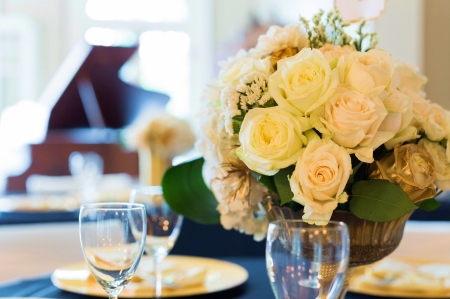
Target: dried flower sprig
[{"x": 331, "y": 30}]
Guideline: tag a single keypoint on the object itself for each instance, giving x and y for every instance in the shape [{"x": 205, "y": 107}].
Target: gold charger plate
[
  {"x": 221, "y": 275},
  {"x": 364, "y": 283}
]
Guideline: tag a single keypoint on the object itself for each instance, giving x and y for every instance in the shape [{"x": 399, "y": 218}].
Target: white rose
[
  {"x": 398, "y": 120},
  {"x": 409, "y": 77},
  {"x": 441, "y": 162},
  {"x": 437, "y": 124},
  {"x": 232, "y": 74},
  {"x": 278, "y": 38},
  {"x": 354, "y": 120},
  {"x": 271, "y": 139},
  {"x": 365, "y": 71},
  {"x": 303, "y": 82},
  {"x": 320, "y": 177}
]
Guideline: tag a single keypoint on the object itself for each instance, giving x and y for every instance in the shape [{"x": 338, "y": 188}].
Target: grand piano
[{"x": 89, "y": 105}]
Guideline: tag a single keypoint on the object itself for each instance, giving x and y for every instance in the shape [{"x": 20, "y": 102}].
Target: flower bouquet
[{"x": 316, "y": 121}]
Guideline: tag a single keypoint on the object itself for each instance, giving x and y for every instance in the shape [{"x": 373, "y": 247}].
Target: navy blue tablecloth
[{"x": 256, "y": 287}]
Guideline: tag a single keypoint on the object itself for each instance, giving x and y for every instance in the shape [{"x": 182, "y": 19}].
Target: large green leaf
[
  {"x": 282, "y": 183},
  {"x": 380, "y": 201},
  {"x": 187, "y": 194}
]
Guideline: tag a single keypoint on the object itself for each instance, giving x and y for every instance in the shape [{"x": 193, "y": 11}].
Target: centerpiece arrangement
[{"x": 316, "y": 123}]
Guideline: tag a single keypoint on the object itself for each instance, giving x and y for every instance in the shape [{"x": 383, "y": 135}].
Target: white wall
[
  {"x": 400, "y": 31},
  {"x": 437, "y": 51}
]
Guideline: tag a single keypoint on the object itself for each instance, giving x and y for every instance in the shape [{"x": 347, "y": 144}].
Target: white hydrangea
[
  {"x": 213, "y": 142},
  {"x": 278, "y": 38},
  {"x": 243, "y": 214}
]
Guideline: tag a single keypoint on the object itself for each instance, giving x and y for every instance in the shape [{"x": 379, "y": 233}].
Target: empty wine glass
[
  {"x": 163, "y": 227},
  {"x": 112, "y": 239},
  {"x": 307, "y": 260}
]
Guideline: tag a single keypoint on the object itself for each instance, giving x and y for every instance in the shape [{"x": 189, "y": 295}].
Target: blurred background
[{"x": 74, "y": 73}]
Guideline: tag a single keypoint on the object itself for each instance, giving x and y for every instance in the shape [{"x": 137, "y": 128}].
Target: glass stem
[
  {"x": 157, "y": 261},
  {"x": 113, "y": 295}
]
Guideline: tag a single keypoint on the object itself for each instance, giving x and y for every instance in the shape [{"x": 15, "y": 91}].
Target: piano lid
[{"x": 86, "y": 91}]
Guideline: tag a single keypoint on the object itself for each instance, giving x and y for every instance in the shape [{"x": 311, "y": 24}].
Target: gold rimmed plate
[{"x": 220, "y": 276}]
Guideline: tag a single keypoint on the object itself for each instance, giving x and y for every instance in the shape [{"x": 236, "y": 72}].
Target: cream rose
[
  {"x": 332, "y": 52},
  {"x": 421, "y": 107},
  {"x": 441, "y": 162},
  {"x": 398, "y": 119},
  {"x": 366, "y": 71},
  {"x": 409, "y": 77},
  {"x": 353, "y": 121},
  {"x": 271, "y": 139},
  {"x": 437, "y": 124},
  {"x": 319, "y": 179},
  {"x": 303, "y": 82},
  {"x": 278, "y": 38}
]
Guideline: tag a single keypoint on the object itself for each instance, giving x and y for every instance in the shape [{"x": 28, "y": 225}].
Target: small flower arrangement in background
[
  {"x": 158, "y": 140},
  {"x": 320, "y": 120}
]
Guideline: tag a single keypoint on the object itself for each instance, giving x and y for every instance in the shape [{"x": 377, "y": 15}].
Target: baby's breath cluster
[
  {"x": 330, "y": 29},
  {"x": 251, "y": 92}
]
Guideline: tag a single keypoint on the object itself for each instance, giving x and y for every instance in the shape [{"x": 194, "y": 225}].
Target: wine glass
[
  {"x": 163, "y": 227},
  {"x": 112, "y": 239},
  {"x": 306, "y": 260}
]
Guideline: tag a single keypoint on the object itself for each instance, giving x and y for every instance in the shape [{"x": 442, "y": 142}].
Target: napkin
[
  {"x": 172, "y": 276},
  {"x": 407, "y": 276}
]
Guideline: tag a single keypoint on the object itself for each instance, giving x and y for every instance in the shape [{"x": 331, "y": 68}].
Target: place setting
[{"x": 126, "y": 247}]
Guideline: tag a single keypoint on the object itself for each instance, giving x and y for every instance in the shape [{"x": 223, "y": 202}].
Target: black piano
[{"x": 90, "y": 104}]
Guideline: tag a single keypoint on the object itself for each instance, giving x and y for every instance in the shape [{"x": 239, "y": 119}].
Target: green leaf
[
  {"x": 187, "y": 194},
  {"x": 282, "y": 184},
  {"x": 268, "y": 181},
  {"x": 429, "y": 205},
  {"x": 379, "y": 201},
  {"x": 351, "y": 179}
]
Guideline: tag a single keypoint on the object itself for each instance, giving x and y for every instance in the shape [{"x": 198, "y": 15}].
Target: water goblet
[
  {"x": 112, "y": 237},
  {"x": 163, "y": 228},
  {"x": 306, "y": 260}
]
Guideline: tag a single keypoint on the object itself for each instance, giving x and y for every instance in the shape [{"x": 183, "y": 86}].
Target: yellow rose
[
  {"x": 441, "y": 162},
  {"x": 271, "y": 139},
  {"x": 303, "y": 82},
  {"x": 366, "y": 71},
  {"x": 319, "y": 179},
  {"x": 353, "y": 120}
]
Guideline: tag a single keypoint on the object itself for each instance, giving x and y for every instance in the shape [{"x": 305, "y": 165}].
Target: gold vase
[{"x": 369, "y": 241}]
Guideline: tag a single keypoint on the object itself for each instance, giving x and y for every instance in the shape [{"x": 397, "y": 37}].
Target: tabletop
[{"x": 29, "y": 253}]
